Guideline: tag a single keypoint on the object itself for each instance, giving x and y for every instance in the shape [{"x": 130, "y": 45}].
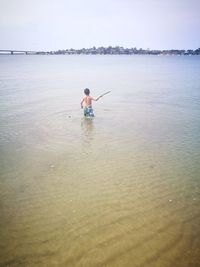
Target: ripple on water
[{"x": 55, "y": 130}]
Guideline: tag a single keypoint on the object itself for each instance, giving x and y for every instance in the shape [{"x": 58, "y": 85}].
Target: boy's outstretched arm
[{"x": 96, "y": 99}]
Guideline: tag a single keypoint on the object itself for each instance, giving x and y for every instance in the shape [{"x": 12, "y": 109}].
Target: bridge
[{"x": 26, "y": 52}]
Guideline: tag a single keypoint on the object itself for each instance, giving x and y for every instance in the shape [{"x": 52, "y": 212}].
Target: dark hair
[{"x": 87, "y": 91}]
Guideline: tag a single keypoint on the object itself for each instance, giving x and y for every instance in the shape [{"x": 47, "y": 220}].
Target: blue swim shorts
[{"x": 88, "y": 112}]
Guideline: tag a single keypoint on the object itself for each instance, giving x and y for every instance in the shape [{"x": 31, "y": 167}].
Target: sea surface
[{"x": 119, "y": 190}]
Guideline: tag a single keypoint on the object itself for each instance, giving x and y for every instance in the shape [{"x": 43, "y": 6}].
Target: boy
[{"x": 87, "y": 101}]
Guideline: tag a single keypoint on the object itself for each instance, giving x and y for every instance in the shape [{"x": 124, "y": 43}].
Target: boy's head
[{"x": 87, "y": 91}]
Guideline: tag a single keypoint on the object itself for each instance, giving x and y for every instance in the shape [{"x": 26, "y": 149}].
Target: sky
[{"x": 49, "y": 25}]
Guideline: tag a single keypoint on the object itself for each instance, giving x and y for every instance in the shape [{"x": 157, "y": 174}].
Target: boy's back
[{"x": 88, "y": 100}]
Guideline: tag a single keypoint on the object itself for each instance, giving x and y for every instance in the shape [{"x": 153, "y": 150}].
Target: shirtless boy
[{"x": 87, "y": 103}]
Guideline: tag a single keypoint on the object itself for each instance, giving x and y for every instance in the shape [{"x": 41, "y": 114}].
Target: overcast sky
[{"x": 61, "y": 24}]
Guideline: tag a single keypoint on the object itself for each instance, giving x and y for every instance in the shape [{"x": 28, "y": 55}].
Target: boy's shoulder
[{"x": 88, "y": 96}]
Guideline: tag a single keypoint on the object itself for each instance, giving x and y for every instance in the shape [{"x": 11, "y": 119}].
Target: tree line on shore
[{"x": 119, "y": 50}]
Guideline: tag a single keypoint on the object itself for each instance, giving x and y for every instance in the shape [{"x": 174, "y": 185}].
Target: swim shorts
[{"x": 88, "y": 112}]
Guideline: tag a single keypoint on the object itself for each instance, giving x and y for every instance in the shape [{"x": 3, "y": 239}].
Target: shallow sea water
[{"x": 120, "y": 189}]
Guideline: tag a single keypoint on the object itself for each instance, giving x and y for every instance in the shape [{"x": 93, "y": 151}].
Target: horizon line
[{"x": 96, "y": 47}]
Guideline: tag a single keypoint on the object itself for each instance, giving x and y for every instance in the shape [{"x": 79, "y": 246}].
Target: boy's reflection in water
[{"x": 87, "y": 126}]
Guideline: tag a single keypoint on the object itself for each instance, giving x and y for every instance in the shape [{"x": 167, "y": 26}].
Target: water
[{"x": 121, "y": 189}]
